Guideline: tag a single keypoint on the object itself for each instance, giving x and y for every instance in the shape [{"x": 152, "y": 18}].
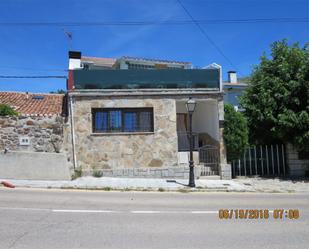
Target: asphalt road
[{"x": 62, "y": 219}]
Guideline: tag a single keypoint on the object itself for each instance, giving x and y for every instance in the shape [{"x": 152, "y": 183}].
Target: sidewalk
[{"x": 143, "y": 184}]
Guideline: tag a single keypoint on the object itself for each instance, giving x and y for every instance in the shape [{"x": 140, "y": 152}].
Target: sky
[{"x": 43, "y": 50}]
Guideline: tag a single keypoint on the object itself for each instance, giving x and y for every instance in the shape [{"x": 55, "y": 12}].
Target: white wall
[
  {"x": 34, "y": 166},
  {"x": 74, "y": 64},
  {"x": 205, "y": 117}
]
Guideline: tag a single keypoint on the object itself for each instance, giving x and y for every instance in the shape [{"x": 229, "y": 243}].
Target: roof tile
[{"x": 25, "y": 104}]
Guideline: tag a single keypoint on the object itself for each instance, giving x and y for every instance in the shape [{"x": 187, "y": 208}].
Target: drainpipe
[{"x": 72, "y": 132}]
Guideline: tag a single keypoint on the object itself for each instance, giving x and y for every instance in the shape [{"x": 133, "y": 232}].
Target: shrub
[
  {"x": 97, "y": 173},
  {"x": 77, "y": 173},
  {"x": 6, "y": 110},
  {"x": 235, "y": 133}
]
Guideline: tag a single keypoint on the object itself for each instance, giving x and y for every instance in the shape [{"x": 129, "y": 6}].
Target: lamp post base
[{"x": 191, "y": 175}]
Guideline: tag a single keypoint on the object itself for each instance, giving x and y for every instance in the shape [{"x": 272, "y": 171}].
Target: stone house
[
  {"x": 128, "y": 117},
  {"x": 33, "y": 144}
]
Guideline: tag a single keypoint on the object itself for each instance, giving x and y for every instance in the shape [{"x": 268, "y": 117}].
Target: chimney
[
  {"x": 232, "y": 77},
  {"x": 74, "y": 60},
  {"x": 74, "y": 63}
]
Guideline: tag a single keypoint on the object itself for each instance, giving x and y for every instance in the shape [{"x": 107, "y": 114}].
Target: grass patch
[
  {"x": 161, "y": 189},
  {"x": 183, "y": 190},
  {"x": 107, "y": 189},
  {"x": 97, "y": 173}
]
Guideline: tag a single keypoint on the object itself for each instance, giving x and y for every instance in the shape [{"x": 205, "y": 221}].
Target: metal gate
[
  {"x": 209, "y": 156},
  {"x": 262, "y": 160}
]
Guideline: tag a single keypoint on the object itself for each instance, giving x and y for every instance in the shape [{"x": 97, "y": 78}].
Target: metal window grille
[{"x": 108, "y": 120}]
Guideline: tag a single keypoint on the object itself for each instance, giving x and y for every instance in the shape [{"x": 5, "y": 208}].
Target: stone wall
[
  {"x": 46, "y": 157},
  {"x": 143, "y": 172},
  {"x": 122, "y": 152},
  {"x": 45, "y": 133},
  {"x": 297, "y": 167}
]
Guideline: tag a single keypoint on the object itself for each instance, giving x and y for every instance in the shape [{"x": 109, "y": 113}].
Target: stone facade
[
  {"x": 45, "y": 133},
  {"x": 126, "y": 154}
]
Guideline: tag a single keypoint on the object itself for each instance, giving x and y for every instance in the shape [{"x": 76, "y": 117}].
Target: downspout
[
  {"x": 72, "y": 132},
  {"x": 74, "y": 63}
]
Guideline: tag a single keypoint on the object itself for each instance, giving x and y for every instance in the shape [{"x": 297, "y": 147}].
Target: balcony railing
[
  {"x": 146, "y": 79},
  {"x": 184, "y": 141}
]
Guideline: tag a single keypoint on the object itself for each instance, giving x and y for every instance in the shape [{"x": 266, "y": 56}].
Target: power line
[
  {"x": 34, "y": 69},
  {"x": 33, "y": 77},
  {"x": 210, "y": 40},
  {"x": 155, "y": 22}
]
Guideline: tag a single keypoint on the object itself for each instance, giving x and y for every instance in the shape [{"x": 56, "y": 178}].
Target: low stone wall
[
  {"x": 168, "y": 172},
  {"x": 45, "y": 157},
  {"x": 44, "y": 132},
  {"x": 297, "y": 167}
]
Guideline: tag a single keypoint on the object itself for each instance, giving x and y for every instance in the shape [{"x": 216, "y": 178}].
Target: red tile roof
[{"x": 34, "y": 104}]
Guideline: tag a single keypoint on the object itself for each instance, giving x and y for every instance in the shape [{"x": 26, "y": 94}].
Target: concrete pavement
[
  {"x": 62, "y": 219},
  {"x": 210, "y": 184}
]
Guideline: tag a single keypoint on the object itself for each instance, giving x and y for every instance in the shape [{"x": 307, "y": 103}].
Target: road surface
[{"x": 65, "y": 219}]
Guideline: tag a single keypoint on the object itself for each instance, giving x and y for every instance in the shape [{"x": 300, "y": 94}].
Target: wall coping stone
[{"x": 146, "y": 92}]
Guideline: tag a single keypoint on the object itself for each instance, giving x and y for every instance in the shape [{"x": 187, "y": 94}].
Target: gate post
[
  {"x": 225, "y": 170},
  {"x": 297, "y": 167}
]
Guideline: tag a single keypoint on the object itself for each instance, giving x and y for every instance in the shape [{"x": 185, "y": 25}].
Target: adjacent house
[
  {"x": 128, "y": 117},
  {"x": 33, "y": 144},
  {"x": 233, "y": 89}
]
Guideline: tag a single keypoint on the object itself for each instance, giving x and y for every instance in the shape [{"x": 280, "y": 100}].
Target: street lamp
[{"x": 191, "y": 104}]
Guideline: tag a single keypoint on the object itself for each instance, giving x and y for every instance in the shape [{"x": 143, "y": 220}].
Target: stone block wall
[
  {"x": 225, "y": 171},
  {"x": 297, "y": 167},
  {"x": 45, "y": 133},
  {"x": 150, "y": 172},
  {"x": 123, "y": 152}
]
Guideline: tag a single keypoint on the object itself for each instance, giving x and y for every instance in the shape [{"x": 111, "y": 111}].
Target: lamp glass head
[{"x": 191, "y": 103}]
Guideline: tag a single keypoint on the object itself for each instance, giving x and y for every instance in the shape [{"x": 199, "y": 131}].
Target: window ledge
[{"x": 121, "y": 133}]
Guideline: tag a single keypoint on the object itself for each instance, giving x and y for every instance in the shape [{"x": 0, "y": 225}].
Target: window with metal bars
[{"x": 109, "y": 120}]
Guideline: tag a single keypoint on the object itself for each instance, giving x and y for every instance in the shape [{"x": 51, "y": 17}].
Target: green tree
[
  {"x": 235, "y": 132},
  {"x": 6, "y": 110},
  {"x": 277, "y": 100}
]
